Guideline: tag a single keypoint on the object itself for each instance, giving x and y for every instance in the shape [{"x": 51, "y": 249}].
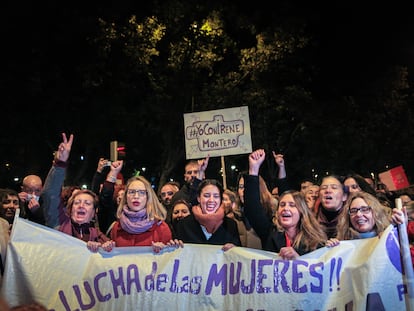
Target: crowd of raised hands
[
  {"x": 343, "y": 208},
  {"x": 117, "y": 213}
]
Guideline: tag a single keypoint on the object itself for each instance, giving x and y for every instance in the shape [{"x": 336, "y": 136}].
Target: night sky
[
  {"x": 353, "y": 43},
  {"x": 358, "y": 40}
]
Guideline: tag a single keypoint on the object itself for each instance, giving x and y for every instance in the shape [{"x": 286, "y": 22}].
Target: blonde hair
[
  {"x": 310, "y": 234},
  {"x": 345, "y": 231},
  {"x": 155, "y": 210}
]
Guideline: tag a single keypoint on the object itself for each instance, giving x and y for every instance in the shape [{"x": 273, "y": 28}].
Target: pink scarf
[
  {"x": 135, "y": 222},
  {"x": 210, "y": 221}
]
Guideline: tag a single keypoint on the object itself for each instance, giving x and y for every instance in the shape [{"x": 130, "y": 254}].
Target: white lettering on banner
[{"x": 360, "y": 274}]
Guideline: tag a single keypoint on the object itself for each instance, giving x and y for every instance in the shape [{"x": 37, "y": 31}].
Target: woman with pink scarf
[{"x": 208, "y": 224}]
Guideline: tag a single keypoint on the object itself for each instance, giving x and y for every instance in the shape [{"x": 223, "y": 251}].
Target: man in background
[{"x": 32, "y": 187}]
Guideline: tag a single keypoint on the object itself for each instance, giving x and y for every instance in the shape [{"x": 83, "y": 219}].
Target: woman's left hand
[{"x": 108, "y": 246}]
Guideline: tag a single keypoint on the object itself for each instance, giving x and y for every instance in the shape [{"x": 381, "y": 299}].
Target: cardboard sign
[{"x": 217, "y": 132}]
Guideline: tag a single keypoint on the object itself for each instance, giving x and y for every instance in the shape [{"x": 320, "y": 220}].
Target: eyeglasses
[
  {"x": 141, "y": 193},
  {"x": 191, "y": 172},
  {"x": 363, "y": 209},
  {"x": 169, "y": 193},
  {"x": 14, "y": 202}
]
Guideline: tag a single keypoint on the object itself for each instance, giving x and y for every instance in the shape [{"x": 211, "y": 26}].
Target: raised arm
[
  {"x": 253, "y": 209},
  {"x": 54, "y": 182},
  {"x": 99, "y": 176},
  {"x": 282, "y": 181}
]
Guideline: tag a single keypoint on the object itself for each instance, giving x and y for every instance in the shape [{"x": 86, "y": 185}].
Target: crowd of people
[{"x": 286, "y": 219}]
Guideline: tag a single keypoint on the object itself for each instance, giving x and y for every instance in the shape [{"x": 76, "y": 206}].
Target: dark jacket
[
  {"x": 189, "y": 230},
  {"x": 272, "y": 239},
  {"x": 107, "y": 206},
  {"x": 188, "y": 192}
]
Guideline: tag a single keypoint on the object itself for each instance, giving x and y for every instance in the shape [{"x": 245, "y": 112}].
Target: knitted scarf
[
  {"x": 210, "y": 221},
  {"x": 135, "y": 222}
]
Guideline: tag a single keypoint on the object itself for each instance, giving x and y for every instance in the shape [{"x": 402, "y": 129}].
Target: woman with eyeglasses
[
  {"x": 363, "y": 216},
  {"x": 141, "y": 218}
]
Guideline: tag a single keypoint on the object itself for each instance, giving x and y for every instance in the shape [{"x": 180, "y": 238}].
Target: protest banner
[{"x": 58, "y": 271}]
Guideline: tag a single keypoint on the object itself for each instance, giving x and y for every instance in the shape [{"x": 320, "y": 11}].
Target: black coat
[
  {"x": 189, "y": 230},
  {"x": 272, "y": 239}
]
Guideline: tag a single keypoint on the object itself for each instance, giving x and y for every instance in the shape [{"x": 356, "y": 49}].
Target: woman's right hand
[{"x": 256, "y": 159}]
